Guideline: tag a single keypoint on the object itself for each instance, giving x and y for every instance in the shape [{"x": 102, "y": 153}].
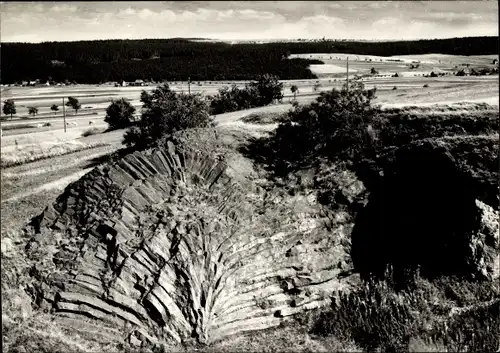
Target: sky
[{"x": 247, "y": 20}]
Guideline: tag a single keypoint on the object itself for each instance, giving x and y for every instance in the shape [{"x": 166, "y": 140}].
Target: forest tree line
[{"x": 177, "y": 59}]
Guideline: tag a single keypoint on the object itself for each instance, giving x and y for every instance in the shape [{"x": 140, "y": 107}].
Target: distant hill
[{"x": 179, "y": 58}]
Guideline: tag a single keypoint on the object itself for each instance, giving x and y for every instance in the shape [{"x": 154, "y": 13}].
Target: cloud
[
  {"x": 146, "y": 14},
  {"x": 248, "y": 19},
  {"x": 250, "y": 14},
  {"x": 127, "y": 12},
  {"x": 64, "y": 8},
  {"x": 324, "y": 20}
]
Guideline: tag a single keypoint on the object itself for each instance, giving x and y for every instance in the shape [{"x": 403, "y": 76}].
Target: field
[{"x": 39, "y": 162}]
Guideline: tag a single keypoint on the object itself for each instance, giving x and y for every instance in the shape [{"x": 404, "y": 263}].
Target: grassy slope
[{"x": 20, "y": 201}]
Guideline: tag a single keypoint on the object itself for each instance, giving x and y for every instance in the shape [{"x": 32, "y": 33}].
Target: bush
[
  {"x": 372, "y": 316},
  {"x": 92, "y": 131},
  {"x": 426, "y": 85},
  {"x": 119, "y": 114},
  {"x": 264, "y": 118},
  {"x": 268, "y": 89},
  {"x": 336, "y": 126},
  {"x": 377, "y": 317},
  {"x": 265, "y": 90},
  {"x": 165, "y": 112}
]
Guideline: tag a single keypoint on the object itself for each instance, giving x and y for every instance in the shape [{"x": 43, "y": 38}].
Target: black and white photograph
[{"x": 249, "y": 176}]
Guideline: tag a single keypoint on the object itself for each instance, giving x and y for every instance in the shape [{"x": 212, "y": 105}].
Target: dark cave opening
[{"x": 420, "y": 214}]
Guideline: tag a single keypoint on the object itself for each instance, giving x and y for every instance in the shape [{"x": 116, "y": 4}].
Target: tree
[
  {"x": 33, "y": 111},
  {"x": 54, "y": 108},
  {"x": 120, "y": 114},
  {"x": 73, "y": 103},
  {"x": 165, "y": 112},
  {"x": 373, "y": 71},
  {"x": 9, "y": 108},
  {"x": 294, "y": 90},
  {"x": 336, "y": 126},
  {"x": 268, "y": 88}
]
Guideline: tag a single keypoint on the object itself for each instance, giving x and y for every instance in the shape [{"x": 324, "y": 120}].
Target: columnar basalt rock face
[{"x": 164, "y": 243}]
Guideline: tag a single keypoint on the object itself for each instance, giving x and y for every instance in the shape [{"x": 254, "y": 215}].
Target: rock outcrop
[
  {"x": 166, "y": 245},
  {"x": 433, "y": 205}
]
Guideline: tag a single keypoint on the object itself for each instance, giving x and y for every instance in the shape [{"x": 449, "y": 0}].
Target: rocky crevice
[{"x": 433, "y": 206}]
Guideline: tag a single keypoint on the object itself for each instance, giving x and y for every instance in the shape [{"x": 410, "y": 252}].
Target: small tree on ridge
[
  {"x": 294, "y": 90},
  {"x": 9, "y": 108},
  {"x": 73, "y": 103},
  {"x": 54, "y": 108},
  {"x": 164, "y": 113},
  {"x": 120, "y": 114},
  {"x": 33, "y": 111}
]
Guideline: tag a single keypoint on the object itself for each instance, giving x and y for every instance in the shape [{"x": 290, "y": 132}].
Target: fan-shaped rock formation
[{"x": 165, "y": 243}]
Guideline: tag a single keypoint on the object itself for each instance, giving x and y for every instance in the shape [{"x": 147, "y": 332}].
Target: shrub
[
  {"x": 230, "y": 100},
  {"x": 165, "y": 112},
  {"x": 264, "y": 118},
  {"x": 119, "y": 114},
  {"x": 92, "y": 131},
  {"x": 426, "y": 85},
  {"x": 372, "y": 316},
  {"x": 33, "y": 111},
  {"x": 337, "y": 126},
  {"x": 377, "y": 317},
  {"x": 263, "y": 91},
  {"x": 268, "y": 89}
]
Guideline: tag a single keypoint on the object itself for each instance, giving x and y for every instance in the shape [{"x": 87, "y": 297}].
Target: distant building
[
  {"x": 57, "y": 63},
  {"x": 137, "y": 83}
]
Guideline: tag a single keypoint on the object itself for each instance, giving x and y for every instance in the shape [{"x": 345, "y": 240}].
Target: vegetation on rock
[{"x": 165, "y": 112}]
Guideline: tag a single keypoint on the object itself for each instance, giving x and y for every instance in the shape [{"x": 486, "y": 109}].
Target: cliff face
[
  {"x": 170, "y": 244},
  {"x": 185, "y": 242}
]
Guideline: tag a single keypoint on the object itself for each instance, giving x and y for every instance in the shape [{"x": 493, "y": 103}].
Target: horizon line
[{"x": 250, "y": 40}]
